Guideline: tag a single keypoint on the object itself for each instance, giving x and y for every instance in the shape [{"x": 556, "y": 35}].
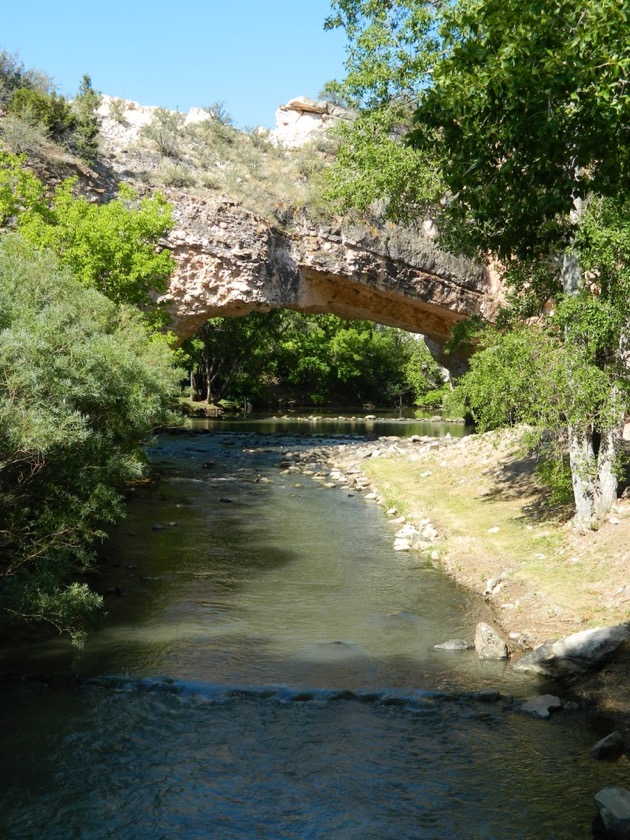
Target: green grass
[{"x": 466, "y": 502}]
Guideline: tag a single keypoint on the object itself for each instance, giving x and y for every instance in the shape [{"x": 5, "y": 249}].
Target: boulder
[
  {"x": 614, "y": 811},
  {"x": 488, "y": 695},
  {"x": 575, "y": 654},
  {"x": 542, "y": 706},
  {"x": 454, "y": 644},
  {"x": 609, "y": 748},
  {"x": 488, "y": 643}
]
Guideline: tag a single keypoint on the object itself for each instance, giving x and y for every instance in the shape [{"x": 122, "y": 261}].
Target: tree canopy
[
  {"x": 313, "y": 359},
  {"x": 111, "y": 246},
  {"x": 522, "y": 108}
]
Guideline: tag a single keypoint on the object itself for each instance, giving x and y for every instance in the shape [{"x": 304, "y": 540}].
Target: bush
[
  {"x": 164, "y": 131},
  {"x": 176, "y": 175},
  {"x": 48, "y": 109},
  {"x": 117, "y": 110},
  {"x": 82, "y": 385},
  {"x": 20, "y": 135},
  {"x": 20, "y": 190}
]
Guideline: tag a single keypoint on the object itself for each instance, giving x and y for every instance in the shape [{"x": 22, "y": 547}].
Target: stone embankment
[{"x": 345, "y": 467}]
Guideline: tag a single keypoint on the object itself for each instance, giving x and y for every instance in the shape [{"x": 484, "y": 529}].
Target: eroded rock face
[
  {"x": 231, "y": 262},
  {"x": 302, "y": 118}
]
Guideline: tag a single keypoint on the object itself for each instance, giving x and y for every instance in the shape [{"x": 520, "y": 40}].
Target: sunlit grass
[{"x": 486, "y": 527}]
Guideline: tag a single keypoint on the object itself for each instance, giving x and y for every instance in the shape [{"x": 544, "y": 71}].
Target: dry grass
[{"x": 212, "y": 157}]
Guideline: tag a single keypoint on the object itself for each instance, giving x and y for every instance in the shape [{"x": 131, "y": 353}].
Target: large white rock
[
  {"x": 575, "y": 654},
  {"x": 303, "y": 118},
  {"x": 542, "y": 706},
  {"x": 488, "y": 643}
]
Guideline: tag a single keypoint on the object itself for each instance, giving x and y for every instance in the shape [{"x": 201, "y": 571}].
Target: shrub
[
  {"x": 164, "y": 131},
  {"x": 20, "y": 190},
  {"x": 219, "y": 112},
  {"x": 82, "y": 386},
  {"x": 117, "y": 108},
  {"x": 20, "y": 135},
  {"x": 176, "y": 175},
  {"x": 48, "y": 109}
]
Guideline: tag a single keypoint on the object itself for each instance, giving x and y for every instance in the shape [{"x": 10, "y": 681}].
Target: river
[{"x": 267, "y": 670}]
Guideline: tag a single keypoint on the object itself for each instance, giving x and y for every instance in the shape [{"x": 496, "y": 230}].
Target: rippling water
[{"x": 267, "y": 671}]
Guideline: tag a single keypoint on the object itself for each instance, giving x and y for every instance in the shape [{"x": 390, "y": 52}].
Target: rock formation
[
  {"x": 302, "y": 118},
  {"x": 231, "y": 261}
]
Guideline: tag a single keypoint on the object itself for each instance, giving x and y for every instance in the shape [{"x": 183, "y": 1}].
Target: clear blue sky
[{"x": 252, "y": 54}]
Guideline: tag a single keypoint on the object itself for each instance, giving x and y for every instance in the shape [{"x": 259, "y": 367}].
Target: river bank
[{"x": 473, "y": 506}]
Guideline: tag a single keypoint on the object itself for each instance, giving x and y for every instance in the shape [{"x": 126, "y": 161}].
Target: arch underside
[{"x": 396, "y": 278}]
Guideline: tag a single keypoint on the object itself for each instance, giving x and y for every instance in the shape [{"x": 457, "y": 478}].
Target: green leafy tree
[
  {"x": 524, "y": 106},
  {"x": 229, "y": 356},
  {"x": 317, "y": 359},
  {"x": 112, "y": 247},
  {"x": 376, "y": 174},
  {"x": 82, "y": 385}
]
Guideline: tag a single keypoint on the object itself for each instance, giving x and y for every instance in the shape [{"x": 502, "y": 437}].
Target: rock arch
[{"x": 231, "y": 262}]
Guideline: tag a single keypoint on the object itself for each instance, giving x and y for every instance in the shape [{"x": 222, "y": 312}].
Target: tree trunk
[
  {"x": 583, "y": 475},
  {"x": 607, "y": 481},
  {"x": 594, "y": 465},
  {"x": 610, "y": 446}
]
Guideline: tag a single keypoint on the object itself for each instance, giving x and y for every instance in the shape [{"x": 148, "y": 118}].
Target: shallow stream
[{"x": 267, "y": 670}]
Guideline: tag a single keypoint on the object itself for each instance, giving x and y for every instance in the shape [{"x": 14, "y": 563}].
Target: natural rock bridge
[{"x": 232, "y": 262}]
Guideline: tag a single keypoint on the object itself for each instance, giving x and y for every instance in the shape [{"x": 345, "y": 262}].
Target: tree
[
  {"x": 85, "y": 106},
  {"x": 316, "y": 359},
  {"x": 525, "y": 108},
  {"x": 14, "y": 75},
  {"x": 228, "y": 355},
  {"x": 112, "y": 246},
  {"x": 82, "y": 385}
]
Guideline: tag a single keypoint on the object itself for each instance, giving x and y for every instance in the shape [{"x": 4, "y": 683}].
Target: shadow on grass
[{"x": 516, "y": 480}]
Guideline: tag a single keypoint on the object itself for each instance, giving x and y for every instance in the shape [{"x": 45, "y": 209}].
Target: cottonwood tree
[{"x": 524, "y": 106}]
